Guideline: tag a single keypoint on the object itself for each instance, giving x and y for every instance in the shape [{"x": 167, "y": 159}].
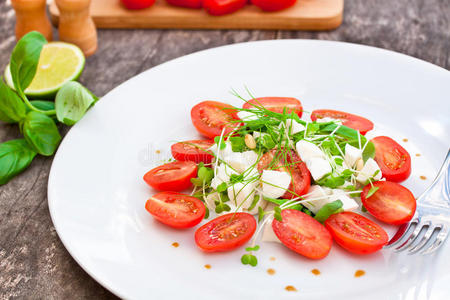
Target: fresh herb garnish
[{"x": 328, "y": 209}]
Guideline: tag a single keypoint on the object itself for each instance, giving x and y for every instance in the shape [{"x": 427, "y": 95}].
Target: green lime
[{"x": 59, "y": 63}]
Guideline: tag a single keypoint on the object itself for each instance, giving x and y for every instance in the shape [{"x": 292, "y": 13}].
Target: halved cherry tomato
[
  {"x": 356, "y": 233},
  {"x": 276, "y": 104},
  {"x": 137, "y": 4},
  {"x": 302, "y": 234},
  {"x": 210, "y": 117},
  {"x": 273, "y": 5},
  {"x": 223, "y": 7},
  {"x": 186, "y": 3},
  {"x": 193, "y": 151},
  {"x": 226, "y": 232},
  {"x": 391, "y": 203},
  {"x": 175, "y": 209},
  {"x": 175, "y": 176},
  {"x": 349, "y": 120},
  {"x": 288, "y": 162},
  {"x": 393, "y": 159}
]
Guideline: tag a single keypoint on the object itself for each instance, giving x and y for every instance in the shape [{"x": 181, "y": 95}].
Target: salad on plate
[{"x": 269, "y": 172}]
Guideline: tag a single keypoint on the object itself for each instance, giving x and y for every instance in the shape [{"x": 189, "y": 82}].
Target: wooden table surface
[{"x": 33, "y": 262}]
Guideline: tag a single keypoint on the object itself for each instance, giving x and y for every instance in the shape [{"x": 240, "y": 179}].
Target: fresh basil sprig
[
  {"x": 36, "y": 118},
  {"x": 15, "y": 156}
]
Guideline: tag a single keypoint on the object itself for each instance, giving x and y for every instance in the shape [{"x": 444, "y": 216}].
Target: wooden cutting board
[{"x": 305, "y": 15}]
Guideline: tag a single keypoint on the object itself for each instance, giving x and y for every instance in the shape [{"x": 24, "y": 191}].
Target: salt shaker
[
  {"x": 31, "y": 16},
  {"x": 76, "y": 25}
]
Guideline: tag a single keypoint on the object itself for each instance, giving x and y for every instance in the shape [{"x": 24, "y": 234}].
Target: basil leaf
[
  {"x": 15, "y": 156},
  {"x": 25, "y": 59},
  {"x": 328, "y": 209},
  {"x": 237, "y": 143},
  {"x": 12, "y": 108},
  {"x": 369, "y": 151},
  {"x": 43, "y": 105},
  {"x": 41, "y": 133},
  {"x": 72, "y": 101}
]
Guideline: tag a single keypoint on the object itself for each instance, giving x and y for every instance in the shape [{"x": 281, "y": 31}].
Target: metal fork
[{"x": 430, "y": 225}]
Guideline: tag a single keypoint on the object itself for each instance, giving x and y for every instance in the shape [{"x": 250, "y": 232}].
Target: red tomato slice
[
  {"x": 393, "y": 159},
  {"x": 356, "y": 233},
  {"x": 175, "y": 176},
  {"x": 277, "y": 104},
  {"x": 137, "y": 4},
  {"x": 291, "y": 163},
  {"x": 391, "y": 203},
  {"x": 193, "y": 151},
  {"x": 186, "y": 3},
  {"x": 223, "y": 7},
  {"x": 226, "y": 232},
  {"x": 273, "y": 5},
  {"x": 175, "y": 209},
  {"x": 349, "y": 120},
  {"x": 302, "y": 234},
  {"x": 210, "y": 117}
]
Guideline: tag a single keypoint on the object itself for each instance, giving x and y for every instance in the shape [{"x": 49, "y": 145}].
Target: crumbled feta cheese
[
  {"x": 224, "y": 152},
  {"x": 318, "y": 167},
  {"x": 241, "y": 194},
  {"x": 275, "y": 183},
  {"x": 348, "y": 203},
  {"x": 328, "y": 119},
  {"x": 352, "y": 154},
  {"x": 316, "y": 191},
  {"x": 268, "y": 235},
  {"x": 241, "y": 161},
  {"x": 247, "y": 116},
  {"x": 308, "y": 150},
  {"x": 369, "y": 169},
  {"x": 223, "y": 175},
  {"x": 293, "y": 126}
]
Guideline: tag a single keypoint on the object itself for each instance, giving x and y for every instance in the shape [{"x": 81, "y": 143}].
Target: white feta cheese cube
[
  {"x": 223, "y": 175},
  {"x": 247, "y": 116},
  {"x": 328, "y": 119},
  {"x": 268, "y": 235},
  {"x": 308, "y": 150},
  {"x": 241, "y": 194},
  {"x": 275, "y": 183},
  {"x": 293, "y": 126},
  {"x": 224, "y": 152},
  {"x": 318, "y": 167},
  {"x": 352, "y": 154},
  {"x": 348, "y": 203},
  {"x": 369, "y": 169},
  {"x": 319, "y": 197},
  {"x": 241, "y": 161}
]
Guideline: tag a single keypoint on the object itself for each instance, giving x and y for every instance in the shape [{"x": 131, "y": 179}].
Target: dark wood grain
[{"x": 33, "y": 262}]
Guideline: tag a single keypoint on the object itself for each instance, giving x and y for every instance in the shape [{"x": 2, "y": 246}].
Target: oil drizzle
[
  {"x": 405, "y": 140},
  {"x": 417, "y": 154},
  {"x": 175, "y": 244},
  {"x": 360, "y": 273},
  {"x": 423, "y": 177},
  {"x": 158, "y": 151},
  {"x": 271, "y": 271},
  {"x": 290, "y": 288},
  {"x": 272, "y": 258},
  {"x": 207, "y": 266},
  {"x": 315, "y": 272}
]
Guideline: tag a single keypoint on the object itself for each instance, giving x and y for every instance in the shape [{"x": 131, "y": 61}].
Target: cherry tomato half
[
  {"x": 393, "y": 159},
  {"x": 302, "y": 234},
  {"x": 356, "y": 233},
  {"x": 186, "y": 3},
  {"x": 391, "y": 203},
  {"x": 273, "y": 5},
  {"x": 210, "y": 117},
  {"x": 137, "y": 4},
  {"x": 277, "y": 104},
  {"x": 175, "y": 176},
  {"x": 289, "y": 162},
  {"x": 349, "y": 120},
  {"x": 223, "y": 7},
  {"x": 226, "y": 232},
  {"x": 193, "y": 151},
  {"x": 175, "y": 209}
]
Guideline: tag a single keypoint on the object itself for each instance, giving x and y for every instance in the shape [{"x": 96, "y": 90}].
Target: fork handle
[{"x": 439, "y": 191}]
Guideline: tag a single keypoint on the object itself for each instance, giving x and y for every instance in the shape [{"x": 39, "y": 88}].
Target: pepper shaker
[
  {"x": 30, "y": 16},
  {"x": 76, "y": 25}
]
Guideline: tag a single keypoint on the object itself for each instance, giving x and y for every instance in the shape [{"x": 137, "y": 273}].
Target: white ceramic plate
[{"x": 96, "y": 192}]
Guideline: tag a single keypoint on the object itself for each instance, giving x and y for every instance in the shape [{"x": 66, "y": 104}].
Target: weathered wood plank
[{"x": 33, "y": 262}]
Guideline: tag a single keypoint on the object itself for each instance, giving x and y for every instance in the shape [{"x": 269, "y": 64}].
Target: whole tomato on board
[
  {"x": 186, "y": 3},
  {"x": 273, "y": 5},
  {"x": 137, "y": 4},
  {"x": 223, "y": 7}
]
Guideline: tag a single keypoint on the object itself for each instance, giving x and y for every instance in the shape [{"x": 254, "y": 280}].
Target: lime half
[{"x": 59, "y": 63}]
